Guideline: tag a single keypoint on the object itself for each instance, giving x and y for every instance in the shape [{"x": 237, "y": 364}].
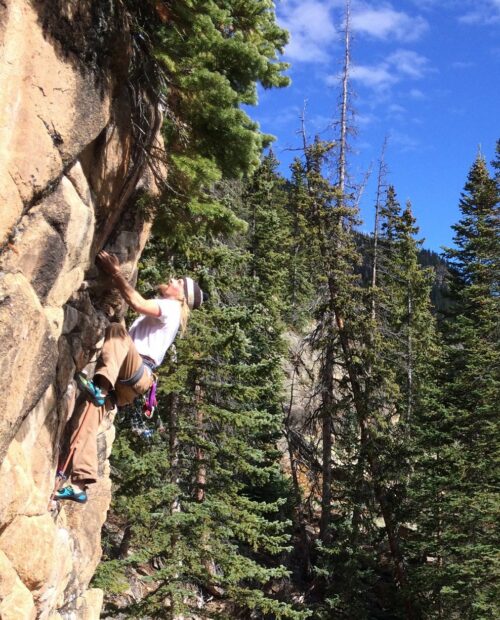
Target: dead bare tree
[
  {"x": 342, "y": 159},
  {"x": 382, "y": 171}
]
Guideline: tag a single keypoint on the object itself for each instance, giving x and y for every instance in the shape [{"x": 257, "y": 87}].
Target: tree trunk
[
  {"x": 409, "y": 360},
  {"x": 326, "y": 436},
  {"x": 201, "y": 467},
  {"x": 381, "y": 172},
  {"x": 173, "y": 446},
  {"x": 344, "y": 101}
]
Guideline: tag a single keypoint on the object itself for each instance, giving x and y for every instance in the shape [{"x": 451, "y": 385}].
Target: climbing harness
[{"x": 141, "y": 412}]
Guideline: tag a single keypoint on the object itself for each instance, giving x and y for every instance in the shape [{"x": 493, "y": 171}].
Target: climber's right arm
[{"x": 135, "y": 300}]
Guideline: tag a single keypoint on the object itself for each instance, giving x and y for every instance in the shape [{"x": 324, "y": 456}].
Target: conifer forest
[{"x": 326, "y": 440}]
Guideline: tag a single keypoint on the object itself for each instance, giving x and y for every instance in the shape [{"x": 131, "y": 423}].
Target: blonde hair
[
  {"x": 185, "y": 311},
  {"x": 184, "y": 315}
]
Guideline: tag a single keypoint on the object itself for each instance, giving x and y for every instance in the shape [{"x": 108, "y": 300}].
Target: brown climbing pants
[{"x": 119, "y": 360}]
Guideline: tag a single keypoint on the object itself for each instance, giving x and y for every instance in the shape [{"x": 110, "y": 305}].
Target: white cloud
[
  {"x": 287, "y": 116},
  {"x": 401, "y": 64},
  {"x": 416, "y": 93},
  {"x": 404, "y": 141},
  {"x": 378, "y": 77},
  {"x": 439, "y": 4},
  {"x": 365, "y": 119},
  {"x": 473, "y": 12},
  {"x": 396, "y": 110},
  {"x": 319, "y": 122},
  {"x": 462, "y": 64},
  {"x": 387, "y": 24},
  {"x": 314, "y": 25},
  {"x": 484, "y": 12},
  {"x": 312, "y": 29},
  {"x": 409, "y": 63}
]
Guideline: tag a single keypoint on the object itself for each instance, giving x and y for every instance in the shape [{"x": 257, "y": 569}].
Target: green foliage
[
  {"x": 111, "y": 577},
  {"x": 407, "y": 491},
  {"x": 199, "y": 62},
  {"x": 453, "y": 502},
  {"x": 375, "y": 350},
  {"x": 209, "y": 486},
  {"x": 327, "y": 288},
  {"x": 469, "y": 497},
  {"x": 264, "y": 209},
  {"x": 212, "y": 55},
  {"x": 403, "y": 316},
  {"x": 324, "y": 220},
  {"x": 403, "y": 391},
  {"x": 402, "y": 520}
]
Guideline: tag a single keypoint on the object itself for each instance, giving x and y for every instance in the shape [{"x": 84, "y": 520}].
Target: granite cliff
[{"x": 71, "y": 175}]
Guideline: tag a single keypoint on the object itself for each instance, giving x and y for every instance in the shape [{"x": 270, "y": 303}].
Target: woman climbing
[{"x": 126, "y": 364}]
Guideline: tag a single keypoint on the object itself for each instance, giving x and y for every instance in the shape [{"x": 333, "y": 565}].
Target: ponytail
[{"x": 184, "y": 315}]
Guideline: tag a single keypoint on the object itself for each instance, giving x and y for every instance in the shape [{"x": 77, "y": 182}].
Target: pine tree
[
  {"x": 470, "y": 394},
  {"x": 403, "y": 301},
  {"x": 496, "y": 164},
  {"x": 301, "y": 289},
  {"x": 331, "y": 258},
  {"x": 452, "y": 497},
  {"x": 264, "y": 203},
  {"x": 213, "y": 54},
  {"x": 402, "y": 348}
]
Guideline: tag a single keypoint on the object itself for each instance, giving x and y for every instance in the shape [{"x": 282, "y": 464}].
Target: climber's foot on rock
[
  {"x": 94, "y": 393},
  {"x": 72, "y": 493}
]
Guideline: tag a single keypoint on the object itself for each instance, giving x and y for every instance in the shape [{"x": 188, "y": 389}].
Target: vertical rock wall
[{"x": 67, "y": 187}]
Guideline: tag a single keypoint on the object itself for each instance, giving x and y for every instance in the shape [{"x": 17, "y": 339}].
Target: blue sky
[{"x": 425, "y": 73}]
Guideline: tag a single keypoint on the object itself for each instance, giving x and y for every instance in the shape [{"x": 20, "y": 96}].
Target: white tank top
[{"x": 152, "y": 336}]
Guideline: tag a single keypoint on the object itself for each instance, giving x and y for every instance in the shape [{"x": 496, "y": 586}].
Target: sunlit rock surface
[{"x": 68, "y": 188}]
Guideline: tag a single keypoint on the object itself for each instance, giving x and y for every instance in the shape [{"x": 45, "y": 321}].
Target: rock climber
[{"x": 126, "y": 363}]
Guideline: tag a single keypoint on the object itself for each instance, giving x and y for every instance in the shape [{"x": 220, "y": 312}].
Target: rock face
[{"x": 68, "y": 188}]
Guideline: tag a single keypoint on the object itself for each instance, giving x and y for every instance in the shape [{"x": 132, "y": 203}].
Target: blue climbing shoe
[
  {"x": 93, "y": 392},
  {"x": 70, "y": 493}
]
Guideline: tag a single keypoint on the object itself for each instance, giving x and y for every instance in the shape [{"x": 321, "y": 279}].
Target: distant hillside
[{"x": 427, "y": 258}]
